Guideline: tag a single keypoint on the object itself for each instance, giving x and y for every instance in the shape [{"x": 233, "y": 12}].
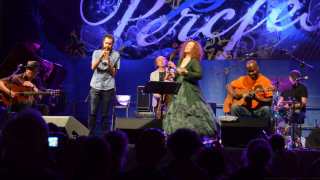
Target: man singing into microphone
[{"x": 105, "y": 63}]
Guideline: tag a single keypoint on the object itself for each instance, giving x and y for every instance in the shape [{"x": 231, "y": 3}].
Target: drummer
[{"x": 297, "y": 96}]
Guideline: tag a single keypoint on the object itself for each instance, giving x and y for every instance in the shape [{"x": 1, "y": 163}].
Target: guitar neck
[
  {"x": 34, "y": 93},
  {"x": 257, "y": 91}
]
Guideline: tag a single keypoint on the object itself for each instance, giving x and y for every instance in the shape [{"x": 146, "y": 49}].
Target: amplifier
[{"x": 149, "y": 114}]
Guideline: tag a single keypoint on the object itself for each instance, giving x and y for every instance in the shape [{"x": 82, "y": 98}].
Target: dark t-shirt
[
  {"x": 298, "y": 92},
  {"x": 19, "y": 79},
  {"x": 162, "y": 75}
]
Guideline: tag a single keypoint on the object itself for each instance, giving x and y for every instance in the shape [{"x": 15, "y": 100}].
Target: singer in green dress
[{"x": 188, "y": 108}]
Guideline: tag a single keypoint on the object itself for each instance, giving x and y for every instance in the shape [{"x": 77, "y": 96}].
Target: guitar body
[
  {"x": 22, "y": 93},
  {"x": 18, "y": 97},
  {"x": 230, "y": 101}
]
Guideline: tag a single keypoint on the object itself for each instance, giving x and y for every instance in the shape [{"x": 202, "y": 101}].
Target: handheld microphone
[
  {"x": 302, "y": 78},
  {"x": 250, "y": 55},
  {"x": 284, "y": 51},
  {"x": 20, "y": 66}
]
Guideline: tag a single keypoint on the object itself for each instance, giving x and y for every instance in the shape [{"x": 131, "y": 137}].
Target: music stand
[{"x": 162, "y": 88}]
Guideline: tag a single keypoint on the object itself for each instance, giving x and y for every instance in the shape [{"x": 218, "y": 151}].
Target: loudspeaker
[
  {"x": 239, "y": 133},
  {"x": 143, "y": 100},
  {"x": 133, "y": 127},
  {"x": 69, "y": 124},
  {"x": 313, "y": 140}
]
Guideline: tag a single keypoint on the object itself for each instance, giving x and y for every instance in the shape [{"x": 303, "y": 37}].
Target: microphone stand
[
  {"x": 115, "y": 89},
  {"x": 114, "y": 99},
  {"x": 293, "y": 137},
  {"x": 227, "y": 71},
  {"x": 302, "y": 65},
  {"x": 10, "y": 89}
]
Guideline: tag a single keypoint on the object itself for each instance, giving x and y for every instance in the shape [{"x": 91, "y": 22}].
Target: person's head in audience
[
  {"x": 118, "y": 141},
  {"x": 212, "y": 159},
  {"x": 277, "y": 142},
  {"x": 25, "y": 140},
  {"x": 184, "y": 143},
  {"x": 150, "y": 147},
  {"x": 94, "y": 159},
  {"x": 53, "y": 128},
  {"x": 315, "y": 169},
  {"x": 258, "y": 153}
]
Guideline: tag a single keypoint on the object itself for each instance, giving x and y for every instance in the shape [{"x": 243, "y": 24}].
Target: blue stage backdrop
[{"x": 227, "y": 29}]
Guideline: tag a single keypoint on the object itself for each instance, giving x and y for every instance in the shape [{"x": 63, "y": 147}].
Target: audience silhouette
[
  {"x": 94, "y": 160},
  {"x": 118, "y": 141},
  {"x": 25, "y": 154},
  {"x": 183, "y": 144},
  {"x": 258, "y": 155},
  {"x": 213, "y": 160},
  {"x": 150, "y": 149},
  {"x": 284, "y": 163},
  {"x": 25, "y": 147}
]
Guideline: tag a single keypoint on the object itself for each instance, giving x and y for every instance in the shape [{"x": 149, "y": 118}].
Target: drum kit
[{"x": 282, "y": 114}]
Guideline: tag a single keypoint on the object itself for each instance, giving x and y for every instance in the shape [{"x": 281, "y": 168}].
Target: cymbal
[{"x": 281, "y": 84}]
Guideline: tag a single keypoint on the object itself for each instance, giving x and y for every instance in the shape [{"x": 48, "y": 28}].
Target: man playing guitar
[
  {"x": 259, "y": 97},
  {"x": 27, "y": 81}
]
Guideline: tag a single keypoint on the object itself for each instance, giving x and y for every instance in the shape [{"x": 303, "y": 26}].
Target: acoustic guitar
[
  {"x": 230, "y": 101},
  {"x": 23, "y": 93}
]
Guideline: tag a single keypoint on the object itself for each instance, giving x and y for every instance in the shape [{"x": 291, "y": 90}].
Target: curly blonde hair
[{"x": 196, "y": 52}]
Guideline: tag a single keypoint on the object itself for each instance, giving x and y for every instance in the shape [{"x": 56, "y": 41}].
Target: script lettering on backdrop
[{"x": 136, "y": 26}]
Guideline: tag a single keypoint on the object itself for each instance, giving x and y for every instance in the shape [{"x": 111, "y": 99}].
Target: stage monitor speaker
[
  {"x": 239, "y": 133},
  {"x": 133, "y": 127},
  {"x": 69, "y": 124},
  {"x": 313, "y": 140},
  {"x": 143, "y": 100}
]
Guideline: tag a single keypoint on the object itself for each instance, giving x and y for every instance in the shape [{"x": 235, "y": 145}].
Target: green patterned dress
[{"x": 188, "y": 109}]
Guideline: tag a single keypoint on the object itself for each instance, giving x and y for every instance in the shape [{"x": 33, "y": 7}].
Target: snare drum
[{"x": 282, "y": 115}]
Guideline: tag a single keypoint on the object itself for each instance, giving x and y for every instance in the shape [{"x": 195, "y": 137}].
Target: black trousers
[
  {"x": 20, "y": 106},
  {"x": 97, "y": 96}
]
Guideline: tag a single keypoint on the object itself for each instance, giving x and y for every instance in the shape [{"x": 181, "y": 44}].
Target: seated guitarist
[
  {"x": 255, "y": 105},
  {"x": 27, "y": 80}
]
